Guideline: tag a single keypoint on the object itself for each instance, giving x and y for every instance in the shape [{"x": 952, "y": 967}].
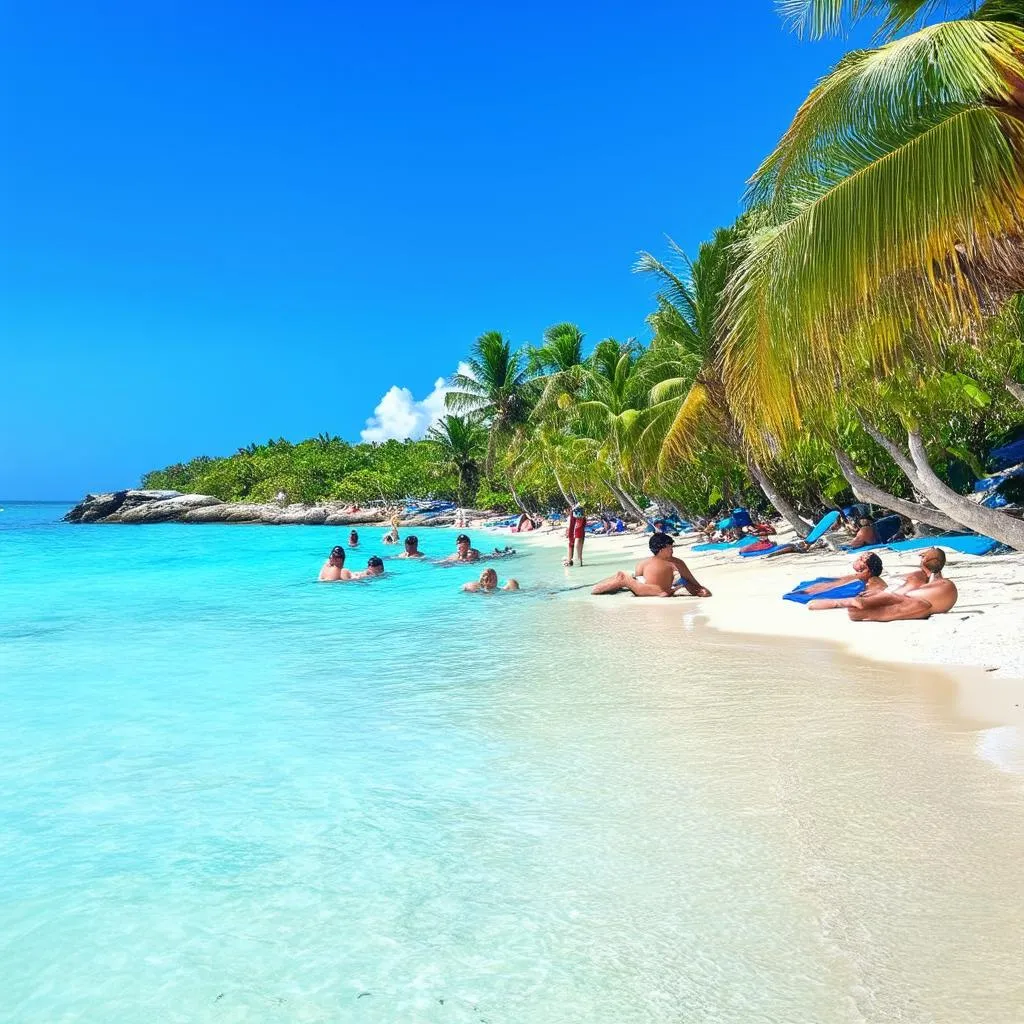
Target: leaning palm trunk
[
  {"x": 774, "y": 495},
  {"x": 627, "y": 503},
  {"x": 516, "y": 498},
  {"x": 997, "y": 525},
  {"x": 865, "y": 490},
  {"x": 569, "y": 501}
]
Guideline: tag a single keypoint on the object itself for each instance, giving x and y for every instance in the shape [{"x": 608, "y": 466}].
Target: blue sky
[{"x": 228, "y": 222}]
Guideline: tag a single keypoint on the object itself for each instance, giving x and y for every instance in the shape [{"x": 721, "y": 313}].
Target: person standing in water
[
  {"x": 353, "y": 539},
  {"x": 576, "y": 532},
  {"x": 412, "y": 548},
  {"x": 334, "y": 568}
]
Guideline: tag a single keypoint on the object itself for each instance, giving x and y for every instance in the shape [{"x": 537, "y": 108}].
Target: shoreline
[{"x": 979, "y": 638}]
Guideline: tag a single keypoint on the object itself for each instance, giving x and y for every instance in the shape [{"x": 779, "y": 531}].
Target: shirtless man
[
  {"x": 924, "y": 592},
  {"x": 866, "y": 568},
  {"x": 334, "y": 568},
  {"x": 657, "y": 574},
  {"x": 412, "y": 548},
  {"x": 488, "y": 583},
  {"x": 353, "y": 539},
  {"x": 865, "y": 536},
  {"x": 464, "y": 551}
]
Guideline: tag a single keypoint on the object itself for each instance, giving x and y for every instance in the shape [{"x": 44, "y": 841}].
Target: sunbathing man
[
  {"x": 914, "y": 599},
  {"x": 865, "y": 536},
  {"x": 412, "y": 548},
  {"x": 866, "y": 568},
  {"x": 655, "y": 576},
  {"x": 488, "y": 583},
  {"x": 334, "y": 568}
]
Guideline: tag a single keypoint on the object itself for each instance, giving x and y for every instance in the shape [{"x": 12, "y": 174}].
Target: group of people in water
[{"x": 334, "y": 571}]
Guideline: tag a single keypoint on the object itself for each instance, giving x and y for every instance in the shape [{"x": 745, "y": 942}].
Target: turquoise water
[{"x": 232, "y": 794}]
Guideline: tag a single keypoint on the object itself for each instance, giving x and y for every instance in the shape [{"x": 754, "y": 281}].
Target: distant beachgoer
[
  {"x": 655, "y": 576},
  {"x": 374, "y": 567},
  {"x": 334, "y": 568},
  {"x": 464, "y": 551},
  {"x": 865, "y": 536},
  {"x": 525, "y": 524},
  {"x": 576, "y": 532},
  {"x": 353, "y": 539},
  {"x": 281, "y": 497},
  {"x": 866, "y": 568},
  {"x": 914, "y": 599},
  {"x": 488, "y": 583},
  {"x": 412, "y": 548}
]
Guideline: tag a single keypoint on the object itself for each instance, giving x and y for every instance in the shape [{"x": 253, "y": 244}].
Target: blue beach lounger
[
  {"x": 822, "y": 527},
  {"x": 966, "y": 544},
  {"x": 723, "y": 545},
  {"x": 852, "y": 589}
]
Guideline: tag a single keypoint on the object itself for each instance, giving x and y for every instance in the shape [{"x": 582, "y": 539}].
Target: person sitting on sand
[
  {"x": 923, "y": 593},
  {"x": 866, "y": 568},
  {"x": 353, "y": 539},
  {"x": 412, "y": 548},
  {"x": 525, "y": 524},
  {"x": 865, "y": 536},
  {"x": 464, "y": 551},
  {"x": 655, "y": 576},
  {"x": 488, "y": 583},
  {"x": 334, "y": 568},
  {"x": 374, "y": 567}
]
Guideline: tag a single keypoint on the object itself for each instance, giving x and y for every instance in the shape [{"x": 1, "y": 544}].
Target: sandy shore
[{"x": 982, "y": 633}]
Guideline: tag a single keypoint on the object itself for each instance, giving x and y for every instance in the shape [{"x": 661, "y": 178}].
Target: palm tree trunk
[
  {"x": 627, "y": 503},
  {"x": 997, "y": 525},
  {"x": 516, "y": 498},
  {"x": 1015, "y": 389},
  {"x": 865, "y": 490},
  {"x": 774, "y": 495},
  {"x": 558, "y": 480}
]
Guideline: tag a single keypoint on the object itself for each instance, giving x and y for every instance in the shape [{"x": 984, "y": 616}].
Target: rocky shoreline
[{"x": 141, "y": 506}]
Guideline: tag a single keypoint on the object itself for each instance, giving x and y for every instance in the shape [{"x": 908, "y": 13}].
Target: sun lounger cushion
[
  {"x": 968, "y": 544},
  {"x": 722, "y": 545},
  {"x": 822, "y": 527},
  {"x": 748, "y": 553},
  {"x": 852, "y": 589}
]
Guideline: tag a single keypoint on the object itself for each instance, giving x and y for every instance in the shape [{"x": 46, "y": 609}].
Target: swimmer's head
[
  {"x": 659, "y": 542},
  {"x": 462, "y": 542},
  {"x": 489, "y": 579},
  {"x": 412, "y": 542},
  {"x": 353, "y": 537},
  {"x": 337, "y": 556},
  {"x": 933, "y": 560},
  {"x": 375, "y": 566}
]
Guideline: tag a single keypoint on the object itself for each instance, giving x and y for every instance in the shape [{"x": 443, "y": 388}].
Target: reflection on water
[{"x": 233, "y": 796}]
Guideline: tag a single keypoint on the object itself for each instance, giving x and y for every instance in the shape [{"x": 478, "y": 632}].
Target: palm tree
[
  {"x": 496, "y": 389},
  {"x": 460, "y": 447},
  {"x": 888, "y": 222},
  {"x": 688, "y": 329}
]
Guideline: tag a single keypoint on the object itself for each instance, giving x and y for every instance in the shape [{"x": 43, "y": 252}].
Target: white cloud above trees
[{"x": 399, "y": 414}]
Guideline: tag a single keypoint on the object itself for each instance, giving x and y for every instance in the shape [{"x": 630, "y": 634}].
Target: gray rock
[{"x": 168, "y": 510}]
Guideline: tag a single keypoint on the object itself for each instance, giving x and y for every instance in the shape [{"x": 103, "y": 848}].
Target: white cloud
[{"x": 400, "y": 415}]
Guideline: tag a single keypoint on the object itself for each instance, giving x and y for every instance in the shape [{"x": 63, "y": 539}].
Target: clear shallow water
[{"x": 231, "y": 794}]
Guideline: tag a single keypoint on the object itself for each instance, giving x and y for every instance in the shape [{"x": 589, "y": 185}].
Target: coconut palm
[
  {"x": 496, "y": 389},
  {"x": 891, "y": 212},
  {"x": 460, "y": 446},
  {"x": 688, "y": 328}
]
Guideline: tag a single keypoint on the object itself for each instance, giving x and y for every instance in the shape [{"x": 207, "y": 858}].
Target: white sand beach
[{"x": 981, "y": 637}]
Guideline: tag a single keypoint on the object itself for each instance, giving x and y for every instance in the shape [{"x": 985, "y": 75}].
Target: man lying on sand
[
  {"x": 866, "y": 568},
  {"x": 655, "y": 576},
  {"x": 488, "y": 583},
  {"x": 924, "y": 592},
  {"x": 334, "y": 568}
]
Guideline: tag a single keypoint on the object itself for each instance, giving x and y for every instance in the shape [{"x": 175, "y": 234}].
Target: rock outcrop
[{"x": 139, "y": 506}]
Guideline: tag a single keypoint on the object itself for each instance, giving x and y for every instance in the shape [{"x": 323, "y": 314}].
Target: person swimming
[
  {"x": 412, "y": 548},
  {"x": 374, "y": 567},
  {"x": 353, "y": 539},
  {"x": 655, "y": 576},
  {"x": 488, "y": 583},
  {"x": 923, "y": 593},
  {"x": 464, "y": 551},
  {"x": 334, "y": 568}
]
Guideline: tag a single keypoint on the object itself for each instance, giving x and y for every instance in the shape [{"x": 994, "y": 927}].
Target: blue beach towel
[
  {"x": 966, "y": 544},
  {"x": 763, "y": 551},
  {"x": 722, "y": 545},
  {"x": 852, "y": 589}
]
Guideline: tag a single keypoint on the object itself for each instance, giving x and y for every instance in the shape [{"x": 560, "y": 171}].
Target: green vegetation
[{"x": 858, "y": 332}]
